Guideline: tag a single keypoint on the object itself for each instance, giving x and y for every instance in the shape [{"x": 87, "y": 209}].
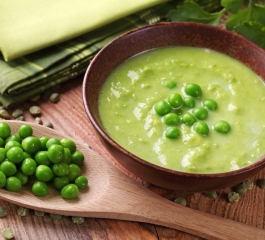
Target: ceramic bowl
[{"x": 161, "y": 35}]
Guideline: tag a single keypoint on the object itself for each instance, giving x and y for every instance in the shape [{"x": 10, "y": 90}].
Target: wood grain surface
[{"x": 68, "y": 117}]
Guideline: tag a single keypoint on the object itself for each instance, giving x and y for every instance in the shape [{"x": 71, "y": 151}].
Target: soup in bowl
[{"x": 180, "y": 105}]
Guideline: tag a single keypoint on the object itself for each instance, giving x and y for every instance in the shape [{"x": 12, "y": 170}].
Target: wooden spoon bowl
[{"x": 112, "y": 194}]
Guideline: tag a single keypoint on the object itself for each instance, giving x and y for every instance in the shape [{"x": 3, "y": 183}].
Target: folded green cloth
[
  {"x": 32, "y": 74},
  {"x": 28, "y": 26}
]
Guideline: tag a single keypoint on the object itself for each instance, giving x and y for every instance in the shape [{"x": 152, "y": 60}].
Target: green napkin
[
  {"x": 28, "y": 26},
  {"x": 32, "y": 74}
]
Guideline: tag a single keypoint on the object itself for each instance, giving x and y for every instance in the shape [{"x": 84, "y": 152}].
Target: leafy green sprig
[{"x": 248, "y": 21}]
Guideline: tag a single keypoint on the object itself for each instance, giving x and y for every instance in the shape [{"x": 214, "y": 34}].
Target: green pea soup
[{"x": 128, "y": 97}]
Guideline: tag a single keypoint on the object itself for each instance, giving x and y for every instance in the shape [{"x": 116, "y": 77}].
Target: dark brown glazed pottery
[{"x": 161, "y": 35}]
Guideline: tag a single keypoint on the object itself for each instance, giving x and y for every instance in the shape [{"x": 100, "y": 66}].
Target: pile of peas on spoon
[
  {"x": 26, "y": 159},
  {"x": 170, "y": 111}
]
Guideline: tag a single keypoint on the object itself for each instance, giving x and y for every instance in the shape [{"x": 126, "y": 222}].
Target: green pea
[
  {"x": 201, "y": 128},
  {"x": 78, "y": 220},
  {"x": 162, "y": 108},
  {"x": 17, "y": 113},
  {"x": 22, "y": 211},
  {"x": 233, "y": 197},
  {"x": 67, "y": 156},
  {"x": 8, "y": 168},
  {"x": 52, "y": 141},
  {"x": 211, "y": 194},
  {"x": 11, "y": 144},
  {"x": 55, "y": 216},
  {"x": 70, "y": 191},
  {"x": 15, "y": 155},
  {"x": 172, "y": 132},
  {"x": 14, "y": 137},
  {"x": 43, "y": 142},
  {"x": 60, "y": 182},
  {"x": 171, "y": 84},
  {"x": 39, "y": 213},
  {"x": 28, "y": 166},
  {"x": 25, "y": 131},
  {"x": 44, "y": 173},
  {"x": 13, "y": 184},
  {"x": 193, "y": 90},
  {"x": 41, "y": 158},
  {"x": 171, "y": 119},
  {"x": 210, "y": 104},
  {"x": 248, "y": 184},
  {"x": 74, "y": 172},
  {"x": 2, "y": 179},
  {"x": 5, "y": 130},
  {"x": 2, "y": 142},
  {"x": 81, "y": 182},
  {"x": 7, "y": 233},
  {"x": 60, "y": 169},
  {"x": 31, "y": 144},
  {"x": 39, "y": 189},
  {"x": 189, "y": 102},
  {"x": 22, "y": 177},
  {"x": 200, "y": 113},
  {"x": 68, "y": 143},
  {"x": 77, "y": 158},
  {"x": 241, "y": 189},
  {"x": 3, "y": 211},
  {"x": 56, "y": 153},
  {"x": 48, "y": 124},
  {"x": 26, "y": 155},
  {"x": 181, "y": 201},
  {"x": 188, "y": 119},
  {"x": 222, "y": 126},
  {"x": 2, "y": 154},
  {"x": 175, "y": 100}
]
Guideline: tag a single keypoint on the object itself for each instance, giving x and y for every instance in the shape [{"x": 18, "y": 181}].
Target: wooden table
[{"x": 68, "y": 116}]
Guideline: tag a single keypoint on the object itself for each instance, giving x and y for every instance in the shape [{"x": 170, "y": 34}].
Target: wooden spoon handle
[
  {"x": 162, "y": 212},
  {"x": 199, "y": 223},
  {"x": 133, "y": 202}
]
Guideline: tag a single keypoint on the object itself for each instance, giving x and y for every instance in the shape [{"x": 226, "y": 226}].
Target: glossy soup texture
[{"x": 127, "y": 112}]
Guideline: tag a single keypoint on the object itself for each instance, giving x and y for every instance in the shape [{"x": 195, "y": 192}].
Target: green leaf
[
  {"x": 192, "y": 12},
  {"x": 233, "y": 5},
  {"x": 255, "y": 13},
  {"x": 253, "y": 31}
]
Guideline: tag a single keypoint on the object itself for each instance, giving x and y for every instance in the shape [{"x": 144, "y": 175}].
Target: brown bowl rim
[{"x": 119, "y": 148}]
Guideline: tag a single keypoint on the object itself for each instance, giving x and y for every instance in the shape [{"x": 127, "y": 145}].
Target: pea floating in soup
[{"x": 187, "y": 109}]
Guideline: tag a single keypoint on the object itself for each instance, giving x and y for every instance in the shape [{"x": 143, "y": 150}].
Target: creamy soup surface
[{"x": 127, "y": 100}]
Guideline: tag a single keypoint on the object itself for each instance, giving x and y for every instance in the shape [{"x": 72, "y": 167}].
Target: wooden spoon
[{"x": 114, "y": 195}]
